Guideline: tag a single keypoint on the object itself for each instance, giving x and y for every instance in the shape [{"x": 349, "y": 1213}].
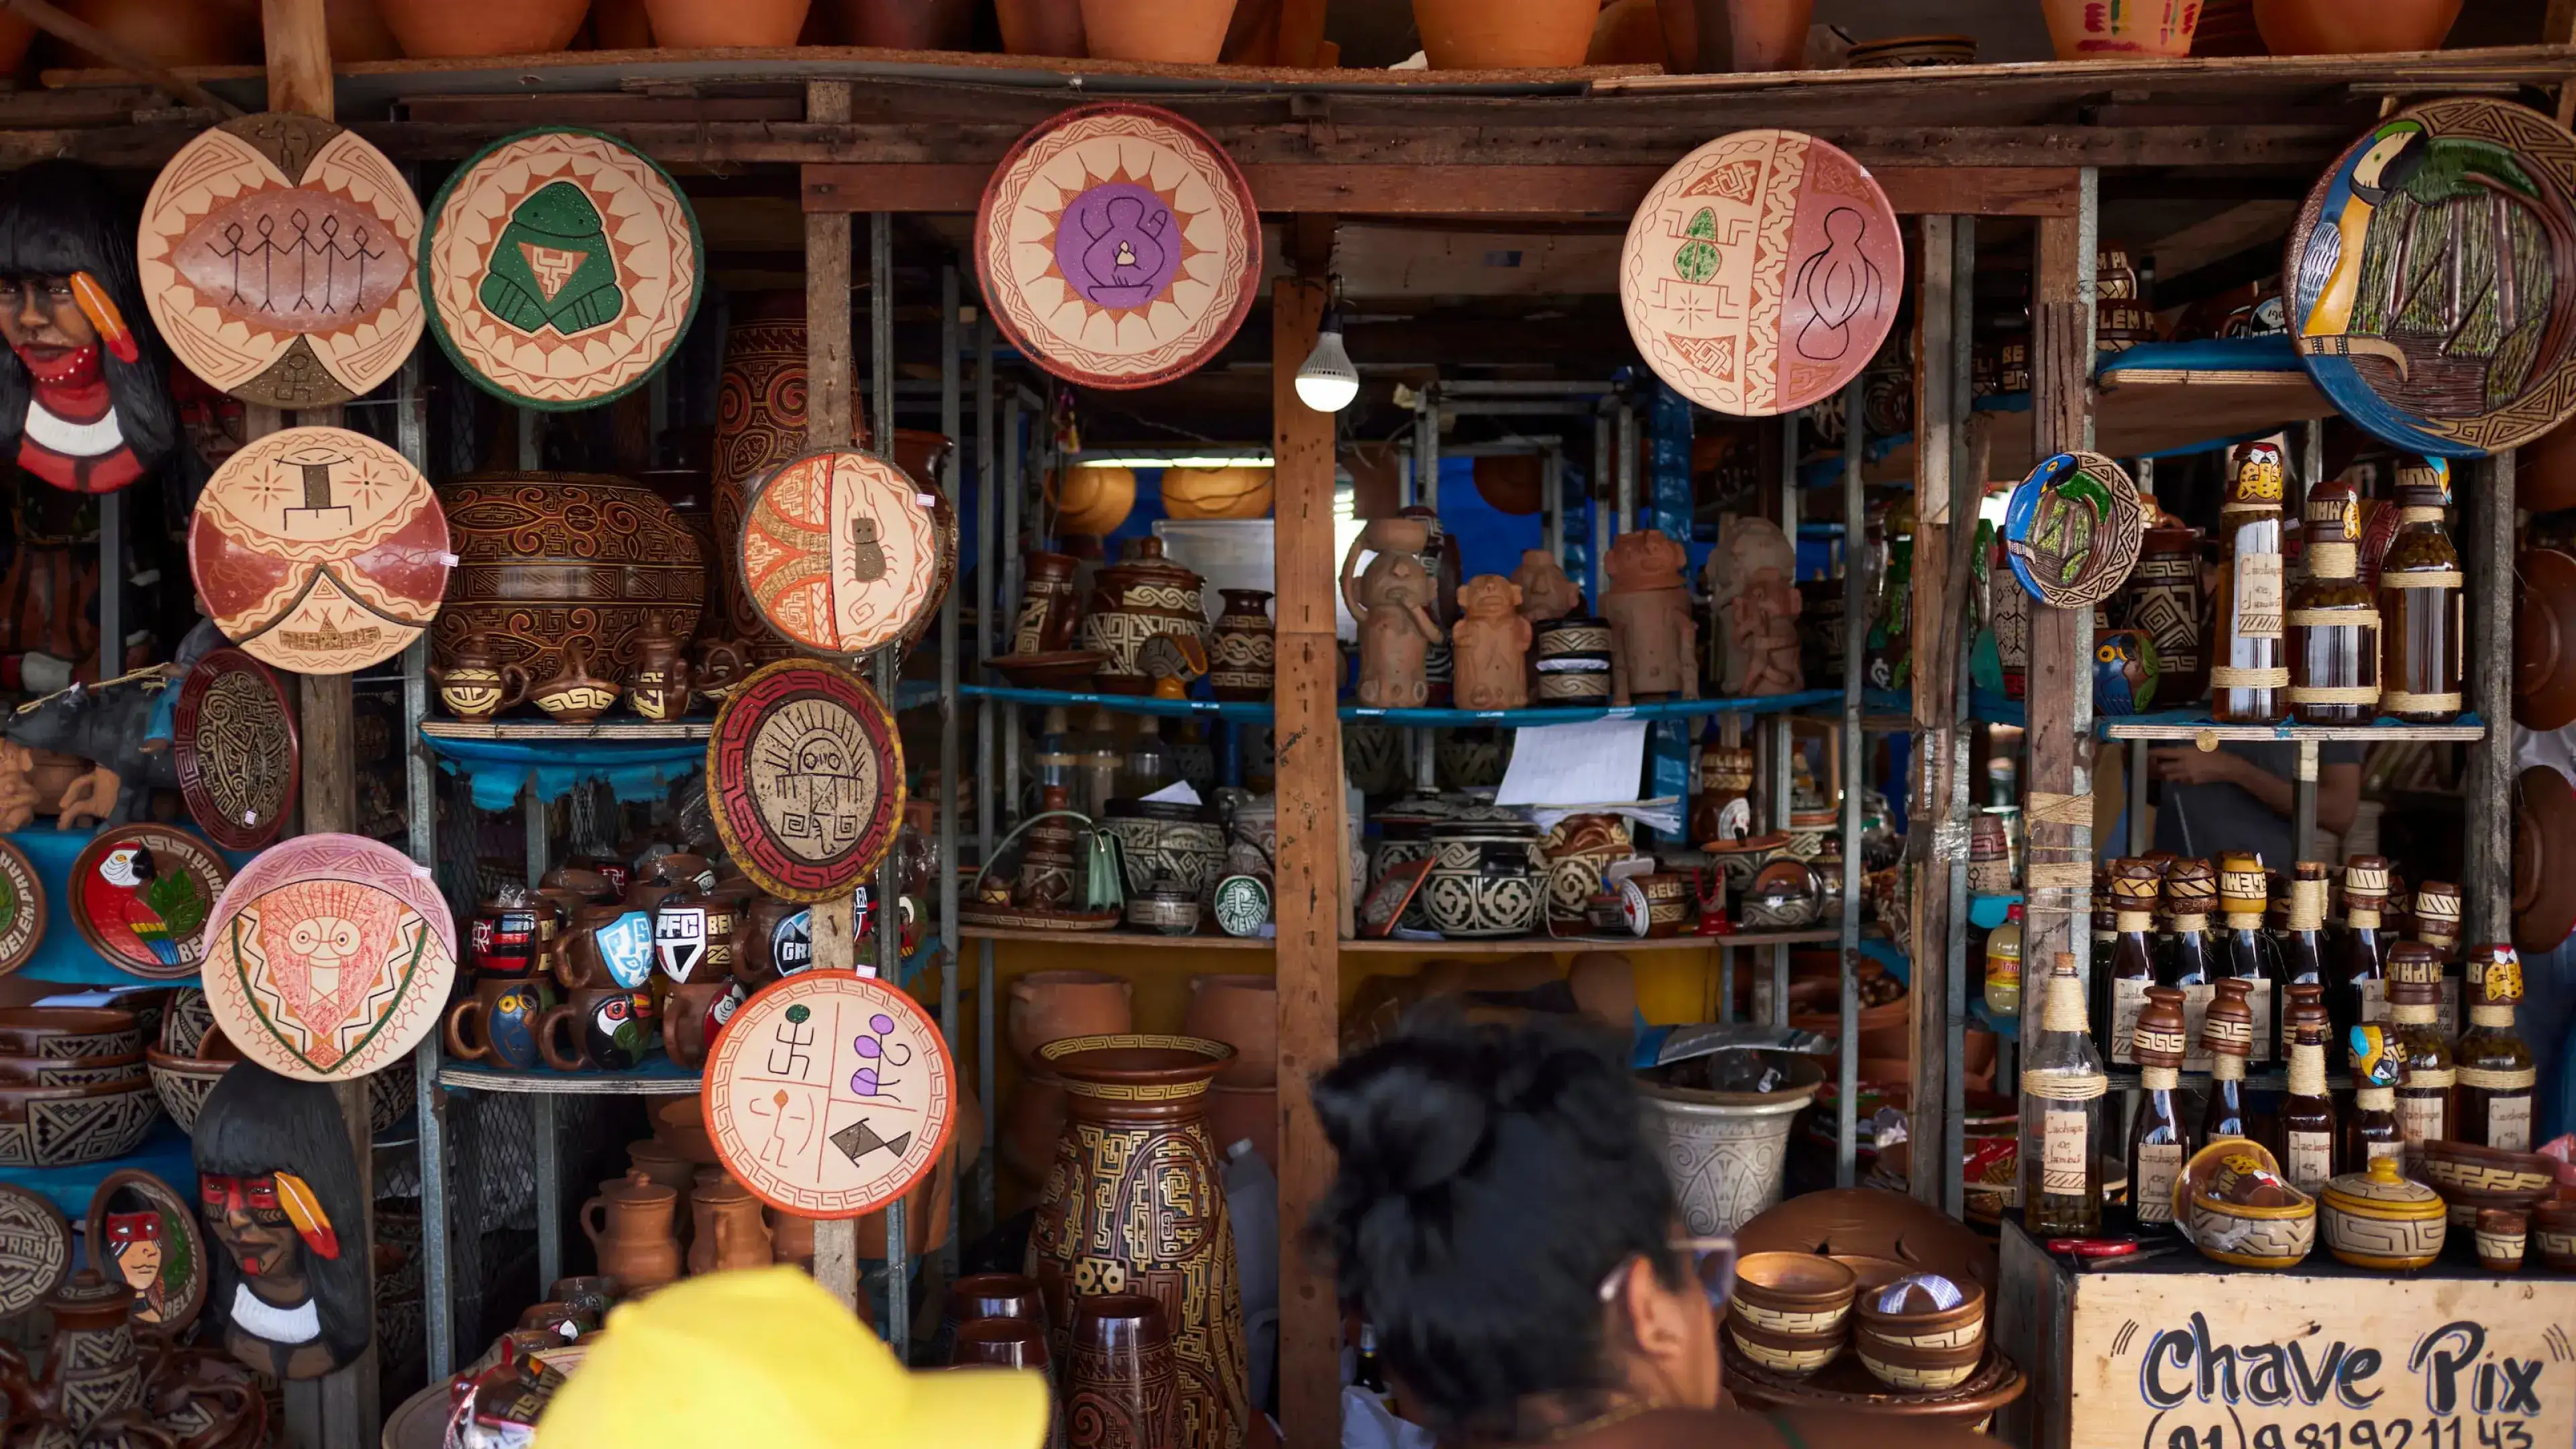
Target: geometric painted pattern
[{"x": 63, "y": 1132}]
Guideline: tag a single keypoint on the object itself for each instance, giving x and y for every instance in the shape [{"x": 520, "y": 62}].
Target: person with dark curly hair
[{"x": 1501, "y": 1220}]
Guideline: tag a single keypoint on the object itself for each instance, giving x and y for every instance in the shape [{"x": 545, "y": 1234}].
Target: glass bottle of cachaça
[
  {"x": 2421, "y": 639},
  {"x": 2123, "y": 974},
  {"x": 2226, "y": 1037},
  {"x": 2437, "y": 924},
  {"x": 2251, "y": 955},
  {"x": 2359, "y": 994},
  {"x": 2424, "y": 1095},
  {"x": 2191, "y": 958},
  {"x": 2371, "y": 1131},
  {"x": 2249, "y": 681},
  {"x": 2303, "y": 946},
  {"x": 2496, "y": 1077},
  {"x": 2307, "y": 1113},
  {"x": 2062, "y": 1084},
  {"x": 2159, "y": 1141},
  {"x": 2333, "y": 620},
  {"x": 2106, "y": 920}
]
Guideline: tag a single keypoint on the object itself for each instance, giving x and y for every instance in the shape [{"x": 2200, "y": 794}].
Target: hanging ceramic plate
[
  {"x": 805, "y": 779},
  {"x": 279, "y": 254},
  {"x": 35, "y": 1249},
  {"x": 1118, "y": 246},
  {"x": 143, "y": 1234},
  {"x": 2432, "y": 278},
  {"x": 319, "y": 550},
  {"x": 2544, "y": 639},
  {"x": 829, "y": 1094},
  {"x": 235, "y": 744},
  {"x": 141, "y": 895},
  {"x": 22, "y": 912},
  {"x": 843, "y": 553},
  {"x": 329, "y": 957},
  {"x": 562, "y": 268},
  {"x": 2073, "y": 529},
  {"x": 1762, "y": 273},
  {"x": 2544, "y": 860}
]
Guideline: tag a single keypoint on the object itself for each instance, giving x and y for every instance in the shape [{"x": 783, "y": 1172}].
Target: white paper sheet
[{"x": 1575, "y": 764}]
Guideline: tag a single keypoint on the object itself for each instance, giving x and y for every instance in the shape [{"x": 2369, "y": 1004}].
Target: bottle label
[
  {"x": 2446, "y": 1008},
  {"x": 2128, "y": 998},
  {"x": 2420, "y": 1116},
  {"x": 2259, "y": 998},
  {"x": 2195, "y": 1012},
  {"x": 2311, "y": 1160},
  {"x": 2159, "y": 1163},
  {"x": 2066, "y": 1145},
  {"x": 2374, "y": 1001},
  {"x": 2374, "y": 1149},
  {"x": 2509, "y": 1123},
  {"x": 2258, "y": 596}
]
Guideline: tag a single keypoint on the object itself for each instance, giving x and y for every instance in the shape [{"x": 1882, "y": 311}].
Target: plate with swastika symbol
[{"x": 830, "y": 1094}]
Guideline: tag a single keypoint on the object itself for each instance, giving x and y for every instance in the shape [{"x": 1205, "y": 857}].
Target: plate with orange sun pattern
[{"x": 1118, "y": 246}]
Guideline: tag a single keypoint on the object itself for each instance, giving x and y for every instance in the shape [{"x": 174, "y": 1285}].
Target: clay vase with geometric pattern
[
  {"x": 760, "y": 424},
  {"x": 1120, "y": 1383}
]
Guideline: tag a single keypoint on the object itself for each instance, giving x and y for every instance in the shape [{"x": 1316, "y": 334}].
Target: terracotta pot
[
  {"x": 1243, "y": 1012},
  {"x": 907, "y": 24},
  {"x": 1048, "y": 1006},
  {"x": 629, "y": 1223},
  {"x": 201, "y": 32},
  {"x": 2337, "y": 27},
  {"x": 657, "y": 1160},
  {"x": 1480, "y": 35},
  {"x": 1120, "y": 1376},
  {"x": 730, "y": 1231},
  {"x": 1735, "y": 35},
  {"x": 2139, "y": 30},
  {"x": 621, "y": 25},
  {"x": 1183, "y": 32},
  {"x": 430, "y": 29},
  {"x": 358, "y": 32},
  {"x": 1629, "y": 32},
  {"x": 546, "y": 559},
  {"x": 1042, "y": 27},
  {"x": 1030, "y": 1125},
  {"x": 1140, "y": 598},
  {"x": 704, "y": 24},
  {"x": 791, "y": 1239},
  {"x": 1237, "y": 1113}
]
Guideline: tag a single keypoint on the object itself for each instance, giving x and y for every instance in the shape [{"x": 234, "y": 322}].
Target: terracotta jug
[
  {"x": 471, "y": 685},
  {"x": 91, "y": 1370},
  {"x": 574, "y": 696},
  {"x": 1492, "y": 645},
  {"x": 730, "y": 1231},
  {"x": 1654, "y": 641},
  {"x": 658, "y": 686},
  {"x": 1048, "y": 1006},
  {"x": 1392, "y": 603},
  {"x": 1241, "y": 1010},
  {"x": 629, "y": 1222}
]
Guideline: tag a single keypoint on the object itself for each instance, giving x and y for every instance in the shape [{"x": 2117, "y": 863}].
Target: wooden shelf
[
  {"x": 658, "y": 1076},
  {"x": 1422, "y": 718},
  {"x": 612, "y": 728},
  {"x": 1201, "y": 942},
  {"x": 2471, "y": 728},
  {"x": 1817, "y": 936}
]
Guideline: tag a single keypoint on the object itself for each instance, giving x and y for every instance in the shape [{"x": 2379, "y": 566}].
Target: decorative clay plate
[
  {"x": 329, "y": 957},
  {"x": 1762, "y": 273},
  {"x": 142, "y": 1233},
  {"x": 1118, "y": 246},
  {"x": 829, "y": 1094},
  {"x": 235, "y": 743},
  {"x": 141, "y": 896},
  {"x": 2544, "y": 859},
  {"x": 22, "y": 912},
  {"x": 35, "y": 1249},
  {"x": 319, "y": 550},
  {"x": 562, "y": 268},
  {"x": 279, "y": 254},
  {"x": 805, "y": 779},
  {"x": 843, "y": 553},
  {"x": 2073, "y": 529},
  {"x": 2544, "y": 639},
  {"x": 2432, "y": 278}
]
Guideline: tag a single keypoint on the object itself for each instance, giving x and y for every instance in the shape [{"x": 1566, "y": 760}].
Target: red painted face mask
[
  {"x": 73, "y": 438},
  {"x": 274, "y": 1199}
]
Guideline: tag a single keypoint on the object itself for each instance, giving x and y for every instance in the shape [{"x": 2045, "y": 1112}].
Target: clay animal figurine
[
  {"x": 1492, "y": 642},
  {"x": 279, "y": 1193},
  {"x": 1392, "y": 602},
  {"x": 2125, "y": 671},
  {"x": 1753, "y": 595},
  {"x": 109, "y": 725},
  {"x": 1654, "y": 642},
  {"x": 1546, "y": 593}
]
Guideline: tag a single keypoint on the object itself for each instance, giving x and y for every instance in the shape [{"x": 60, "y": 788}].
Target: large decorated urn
[{"x": 544, "y": 559}]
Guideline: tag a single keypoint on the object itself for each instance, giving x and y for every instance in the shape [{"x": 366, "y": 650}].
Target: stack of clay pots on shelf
[{"x": 1238, "y": 1010}]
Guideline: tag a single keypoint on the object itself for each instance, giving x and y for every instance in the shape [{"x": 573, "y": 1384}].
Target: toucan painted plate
[{"x": 2073, "y": 529}]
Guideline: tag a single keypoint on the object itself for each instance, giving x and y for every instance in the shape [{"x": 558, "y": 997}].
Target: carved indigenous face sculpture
[
  {"x": 83, "y": 393},
  {"x": 279, "y": 1192}
]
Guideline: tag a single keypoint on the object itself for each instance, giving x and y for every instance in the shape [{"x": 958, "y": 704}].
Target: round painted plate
[
  {"x": 1762, "y": 273},
  {"x": 22, "y": 912},
  {"x": 143, "y": 1234},
  {"x": 329, "y": 957},
  {"x": 235, "y": 743},
  {"x": 829, "y": 1095},
  {"x": 1118, "y": 246},
  {"x": 35, "y": 1249},
  {"x": 141, "y": 896},
  {"x": 562, "y": 268},
  {"x": 279, "y": 254},
  {"x": 2073, "y": 529},
  {"x": 805, "y": 779},
  {"x": 319, "y": 550},
  {"x": 843, "y": 553},
  {"x": 2432, "y": 278}
]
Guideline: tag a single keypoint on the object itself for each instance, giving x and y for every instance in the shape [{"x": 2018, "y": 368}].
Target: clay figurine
[
  {"x": 17, "y": 786},
  {"x": 1753, "y": 596},
  {"x": 109, "y": 725},
  {"x": 84, "y": 389},
  {"x": 1492, "y": 641},
  {"x": 1546, "y": 593},
  {"x": 279, "y": 1190},
  {"x": 1654, "y": 642},
  {"x": 1392, "y": 603}
]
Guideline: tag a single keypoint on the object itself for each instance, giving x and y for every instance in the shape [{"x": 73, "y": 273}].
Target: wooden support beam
[
  {"x": 299, "y": 57},
  {"x": 1937, "y": 519},
  {"x": 1312, "y": 878},
  {"x": 2487, "y": 873}
]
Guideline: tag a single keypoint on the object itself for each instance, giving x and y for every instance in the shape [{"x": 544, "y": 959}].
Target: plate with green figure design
[
  {"x": 562, "y": 268},
  {"x": 2073, "y": 528}
]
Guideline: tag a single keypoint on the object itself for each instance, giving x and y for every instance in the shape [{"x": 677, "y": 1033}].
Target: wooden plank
[
  {"x": 1935, "y": 695},
  {"x": 2487, "y": 881},
  {"x": 1311, "y": 878},
  {"x": 299, "y": 57}
]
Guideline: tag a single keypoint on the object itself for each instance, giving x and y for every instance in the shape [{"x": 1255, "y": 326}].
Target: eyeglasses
[{"x": 1712, "y": 1262}]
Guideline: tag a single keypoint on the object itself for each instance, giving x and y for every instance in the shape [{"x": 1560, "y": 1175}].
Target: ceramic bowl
[
  {"x": 1874, "y": 1273},
  {"x": 1907, "y": 1315},
  {"x": 2381, "y": 1219},
  {"x": 69, "y": 1031},
  {"x": 2462, "y": 1205},
  {"x": 2553, "y": 1234},
  {"x": 183, "y": 1083},
  {"x": 68, "y": 1071},
  {"x": 2459, "y": 1167},
  {"x": 1785, "y": 1353},
  {"x": 67, "y": 1126},
  {"x": 681, "y": 1125},
  {"x": 2233, "y": 1204},
  {"x": 1793, "y": 1294},
  {"x": 1920, "y": 1371}
]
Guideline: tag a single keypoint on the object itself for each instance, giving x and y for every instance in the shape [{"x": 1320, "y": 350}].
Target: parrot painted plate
[
  {"x": 1762, "y": 272},
  {"x": 805, "y": 779},
  {"x": 279, "y": 254},
  {"x": 235, "y": 743},
  {"x": 329, "y": 957},
  {"x": 829, "y": 1094},
  {"x": 2431, "y": 278},
  {"x": 562, "y": 267},
  {"x": 843, "y": 553},
  {"x": 2073, "y": 529},
  {"x": 1118, "y": 245},
  {"x": 141, "y": 896},
  {"x": 22, "y": 911}
]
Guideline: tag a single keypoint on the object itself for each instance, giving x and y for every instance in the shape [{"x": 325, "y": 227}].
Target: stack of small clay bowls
[
  {"x": 2472, "y": 1178},
  {"x": 1924, "y": 1333},
  {"x": 2553, "y": 1234},
  {"x": 1791, "y": 1312}
]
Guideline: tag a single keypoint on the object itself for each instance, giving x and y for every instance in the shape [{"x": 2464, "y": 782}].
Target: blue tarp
[{"x": 498, "y": 770}]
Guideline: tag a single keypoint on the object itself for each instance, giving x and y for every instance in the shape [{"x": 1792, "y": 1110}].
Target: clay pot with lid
[
  {"x": 1140, "y": 598},
  {"x": 1241, "y": 1010},
  {"x": 630, "y": 1223}
]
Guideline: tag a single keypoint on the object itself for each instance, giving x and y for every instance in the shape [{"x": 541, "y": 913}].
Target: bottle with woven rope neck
[
  {"x": 2123, "y": 975},
  {"x": 2437, "y": 924},
  {"x": 2333, "y": 620},
  {"x": 2062, "y": 1087},
  {"x": 2250, "y": 954},
  {"x": 2307, "y": 1114},
  {"x": 2358, "y": 994},
  {"x": 2496, "y": 1077},
  {"x": 2421, "y": 630},
  {"x": 2226, "y": 1038},
  {"x": 2303, "y": 945},
  {"x": 2424, "y": 1093},
  {"x": 2159, "y": 1141},
  {"x": 2249, "y": 682},
  {"x": 2191, "y": 958}
]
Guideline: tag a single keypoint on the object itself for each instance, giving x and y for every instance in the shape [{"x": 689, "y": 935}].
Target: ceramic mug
[
  {"x": 692, "y": 1014},
  {"x": 609, "y": 1031},
  {"x": 607, "y": 947},
  {"x": 777, "y": 940},
  {"x": 505, "y": 940},
  {"x": 568, "y": 1322},
  {"x": 498, "y": 1023}
]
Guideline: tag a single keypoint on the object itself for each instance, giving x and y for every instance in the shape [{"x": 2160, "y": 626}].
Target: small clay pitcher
[
  {"x": 498, "y": 1023},
  {"x": 661, "y": 1162},
  {"x": 1047, "y": 606},
  {"x": 606, "y": 1031},
  {"x": 1049, "y": 1006},
  {"x": 1243, "y": 1012},
  {"x": 692, "y": 1014},
  {"x": 574, "y": 695},
  {"x": 730, "y": 1231},
  {"x": 658, "y": 686},
  {"x": 473, "y": 684},
  {"x": 630, "y": 1225}
]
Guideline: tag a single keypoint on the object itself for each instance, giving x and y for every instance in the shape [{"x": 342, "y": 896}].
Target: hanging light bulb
[{"x": 1328, "y": 383}]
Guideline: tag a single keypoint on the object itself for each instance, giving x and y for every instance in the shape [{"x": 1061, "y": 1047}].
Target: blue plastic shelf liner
[
  {"x": 498, "y": 770},
  {"x": 62, "y": 955},
  {"x": 166, "y": 1154}
]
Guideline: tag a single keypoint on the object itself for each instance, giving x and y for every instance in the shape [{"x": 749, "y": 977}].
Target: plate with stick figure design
[
  {"x": 829, "y": 1094},
  {"x": 805, "y": 779},
  {"x": 1762, "y": 273}
]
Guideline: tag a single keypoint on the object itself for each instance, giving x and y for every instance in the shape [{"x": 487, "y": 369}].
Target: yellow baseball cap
[{"x": 765, "y": 1356}]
